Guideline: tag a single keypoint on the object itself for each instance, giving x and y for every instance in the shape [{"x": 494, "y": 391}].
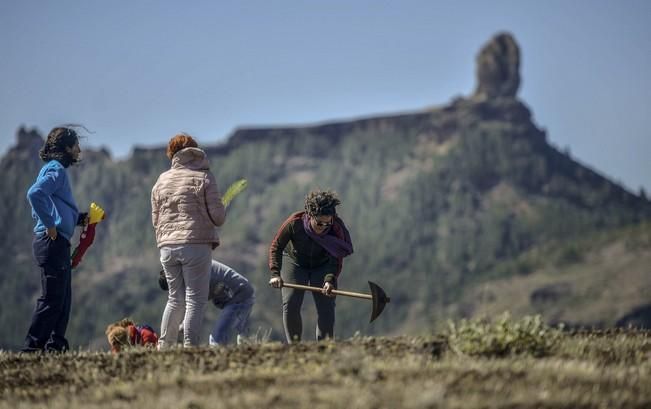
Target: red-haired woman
[{"x": 186, "y": 209}]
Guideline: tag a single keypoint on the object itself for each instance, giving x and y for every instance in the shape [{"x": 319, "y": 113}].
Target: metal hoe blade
[{"x": 380, "y": 300}]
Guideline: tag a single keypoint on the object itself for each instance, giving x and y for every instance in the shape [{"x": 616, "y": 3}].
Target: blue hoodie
[
  {"x": 52, "y": 202},
  {"x": 228, "y": 287}
]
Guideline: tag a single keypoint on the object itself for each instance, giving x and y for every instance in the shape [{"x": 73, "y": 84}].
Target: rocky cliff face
[
  {"x": 498, "y": 68},
  {"x": 28, "y": 143}
]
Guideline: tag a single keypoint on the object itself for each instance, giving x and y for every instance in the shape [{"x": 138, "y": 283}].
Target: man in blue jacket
[
  {"x": 55, "y": 213},
  {"x": 234, "y": 295}
]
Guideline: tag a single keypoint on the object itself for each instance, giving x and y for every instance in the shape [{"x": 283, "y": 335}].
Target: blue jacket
[
  {"x": 52, "y": 202},
  {"x": 228, "y": 287}
]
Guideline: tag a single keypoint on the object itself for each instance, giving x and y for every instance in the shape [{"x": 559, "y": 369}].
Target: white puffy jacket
[{"x": 186, "y": 206}]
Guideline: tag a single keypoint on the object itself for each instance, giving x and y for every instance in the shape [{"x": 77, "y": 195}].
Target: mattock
[{"x": 377, "y": 295}]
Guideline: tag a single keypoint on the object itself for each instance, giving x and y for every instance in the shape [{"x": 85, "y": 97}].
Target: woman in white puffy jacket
[{"x": 186, "y": 209}]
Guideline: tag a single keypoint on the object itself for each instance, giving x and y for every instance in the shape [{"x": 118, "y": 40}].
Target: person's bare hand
[
  {"x": 276, "y": 282},
  {"x": 52, "y": 233},
  {"x": 327, "y": 289}
]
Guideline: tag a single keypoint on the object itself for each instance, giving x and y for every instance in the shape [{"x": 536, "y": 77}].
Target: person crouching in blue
[
  {"x": 55, "y": 212},
  {"x": 233, "y": 294}
]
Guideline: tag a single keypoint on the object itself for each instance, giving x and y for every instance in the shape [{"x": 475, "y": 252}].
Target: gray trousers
[
  {"x": 293, "y": 300},
  {"x": 187, "y": 269}
]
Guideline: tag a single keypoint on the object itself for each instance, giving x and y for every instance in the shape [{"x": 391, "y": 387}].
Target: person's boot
[{"x": 57, "y": 344}]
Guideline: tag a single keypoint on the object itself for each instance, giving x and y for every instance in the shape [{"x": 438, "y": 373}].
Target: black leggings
[{"x": 293, "y": 300}]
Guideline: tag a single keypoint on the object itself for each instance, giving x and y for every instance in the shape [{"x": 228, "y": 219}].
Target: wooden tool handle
[{"x": 336, "y": 292}]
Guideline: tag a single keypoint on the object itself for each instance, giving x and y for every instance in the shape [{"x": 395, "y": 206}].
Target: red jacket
[{"x": 142, "y": 335}]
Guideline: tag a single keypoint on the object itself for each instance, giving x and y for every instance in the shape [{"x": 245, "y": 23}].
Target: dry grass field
[{"x": 583, "y": 370}]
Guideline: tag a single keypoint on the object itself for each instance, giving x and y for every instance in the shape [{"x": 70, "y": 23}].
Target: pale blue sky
[{"x": 136, "y": 72}]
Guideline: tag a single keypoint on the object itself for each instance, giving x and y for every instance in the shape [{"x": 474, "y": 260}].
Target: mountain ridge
[{"x": 438, "y": 201}]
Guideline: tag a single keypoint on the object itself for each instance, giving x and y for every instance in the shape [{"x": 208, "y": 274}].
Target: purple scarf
[{"x": 335, "y": 239}]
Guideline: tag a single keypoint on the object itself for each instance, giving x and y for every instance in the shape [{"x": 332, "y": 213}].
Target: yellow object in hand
[{"x": 96, "y": 213}]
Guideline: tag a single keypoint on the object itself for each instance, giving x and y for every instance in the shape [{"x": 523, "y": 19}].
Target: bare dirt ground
[{"x": 587, "y": 370}]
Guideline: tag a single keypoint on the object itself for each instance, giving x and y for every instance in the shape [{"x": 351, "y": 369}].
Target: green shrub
[
  {"x": 570, "y": 254},
  {"x": 502, "y": 337}
]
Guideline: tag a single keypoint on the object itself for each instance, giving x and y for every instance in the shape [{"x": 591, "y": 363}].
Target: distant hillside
[
  {"x": 601, "y": 280},
  {"x": 440, "y": 203}
]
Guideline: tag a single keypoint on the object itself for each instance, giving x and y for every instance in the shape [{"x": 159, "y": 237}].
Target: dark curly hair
[
  {"x": 55, "y": 145},
  {"x": 321, "y": 203}
]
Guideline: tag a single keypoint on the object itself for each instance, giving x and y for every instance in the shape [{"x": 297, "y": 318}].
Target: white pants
[{"x": 187, "y": 269}]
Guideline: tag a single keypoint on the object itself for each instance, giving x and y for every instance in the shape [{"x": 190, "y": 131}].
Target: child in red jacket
[{"x": 126, "y": 333}]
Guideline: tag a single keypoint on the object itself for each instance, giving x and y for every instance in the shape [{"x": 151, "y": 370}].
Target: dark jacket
[{"x": 292, "y": 240}]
